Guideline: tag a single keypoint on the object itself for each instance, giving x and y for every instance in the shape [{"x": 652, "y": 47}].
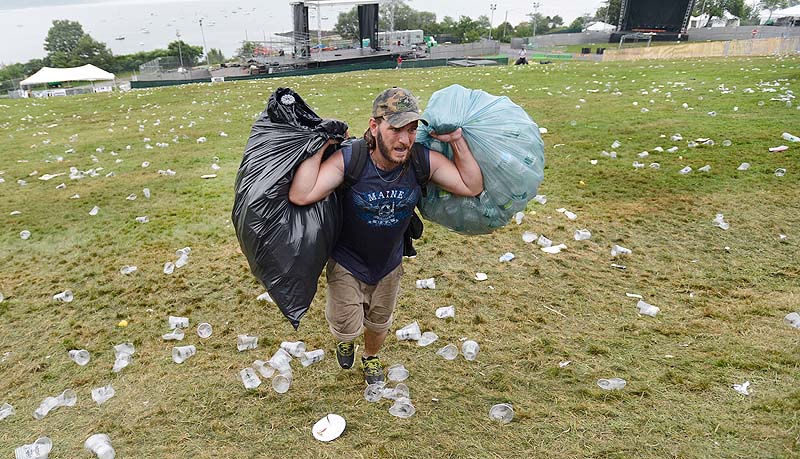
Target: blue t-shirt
[{"x": 376, "y": 212}]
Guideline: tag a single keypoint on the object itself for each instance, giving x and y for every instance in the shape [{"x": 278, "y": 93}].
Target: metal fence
[
  {"x": 482, "y": 48},
  {"x": 169, "y": 68}
]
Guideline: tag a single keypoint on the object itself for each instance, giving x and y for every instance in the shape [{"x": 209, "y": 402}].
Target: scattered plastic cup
[
  {"x": 125, "y": 270},
  {"x": 101, "y": 395},
  {"x": 449, "y": 352},
  {"x": 790, "y": 137},
  {"x": 427, "y": 338},
  {"x": 178, "y": 322},
  {"x": 582, "y": 235},
  {"x": 374, "y": 392},
  {"x": 249, "y": 378},
  {"x": 40, "y": 449},
  {"x": 181, "y": 353},
  {"x": 617, "y": 250},
  {"x": 543, "y": 241},
  {"x": 647, "y": 309},
  {"x": 312, "y": 357},
  {"x": 743, "y": 167},
  {"x": 402, "y": 408},
  {"x": 685, "y": 170},
  {"x": 446, "y": 311},
  {"x": 397, "y": 372},
  {"x": 6, "y": 410},
  {"x": 175, "y": 335},
  {"x": 506, "y": 257},
  {"x": 80, "y": 356},
  {"x": 65, "y": 296},
  {"x": 502, "y": 412},
  {"x": 281, "y": 361},
  {"x": 399, "y": 391},
  {"x": 169, "y": 267},
  {"x": 263, "y": 368},
  {"x": 719, "y": 221},
  {"x": 529, "y": 236},
  {"x": 427, "y": 283},
  {"x": 409, "y": 332},
  {"x": 100, "y": 446},
  {"x": 611, "y": 384},
  {"x": 780, "y": 172},
  {"x": 204, "y": 330},
  {"x": 146, "y": 193},
  {"x": 470, "y": 349},
  {"x": 792, "y": 319},
  {"x": 246, "y": 342},
  {"x": 24, "y": 234},
  {"x": 295, "y": 348},
  {"x": 47, "y": 405},
  {"x": 94, "y": 211},
  {"x": 282, "y": 382}
]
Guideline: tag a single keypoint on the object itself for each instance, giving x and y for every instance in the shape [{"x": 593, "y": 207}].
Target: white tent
[
  {"x": 791, "y": 12},
  {"x": 87, "y": 72},
  {"x": 600, "y": 26}
]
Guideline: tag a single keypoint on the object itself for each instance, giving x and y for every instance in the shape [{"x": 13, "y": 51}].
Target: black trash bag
[{"x": 286, "y": 246}]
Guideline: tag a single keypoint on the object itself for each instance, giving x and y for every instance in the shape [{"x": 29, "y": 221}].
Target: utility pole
[
  {"x": 205, "y": 50},
  {"x": 536, "y": 6},
  {"x": 505, "y": 25},
  {"x": 180, "y": 52},
  {"x": 492, "y": 6}
]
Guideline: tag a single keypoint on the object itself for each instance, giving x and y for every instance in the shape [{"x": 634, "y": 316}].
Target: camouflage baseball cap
[{"x": 398, "y": 106}]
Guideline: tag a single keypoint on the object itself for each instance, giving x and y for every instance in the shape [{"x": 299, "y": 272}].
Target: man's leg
[
  {"x": 344, "y": 311},
  {"x": 373, "y": 342}
]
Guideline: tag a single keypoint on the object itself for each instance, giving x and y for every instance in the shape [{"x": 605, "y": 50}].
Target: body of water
[{"x": 149, "y": 24}]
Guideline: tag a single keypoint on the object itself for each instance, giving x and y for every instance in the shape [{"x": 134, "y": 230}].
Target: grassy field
[{"x": 722, "y": 294}]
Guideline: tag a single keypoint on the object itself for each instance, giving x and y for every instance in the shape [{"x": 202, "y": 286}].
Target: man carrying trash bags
[
  {"x": 308, "y": 198},
  {"x": 365, "y": 268}
]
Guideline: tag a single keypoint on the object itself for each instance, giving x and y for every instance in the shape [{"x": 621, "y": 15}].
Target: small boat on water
[{"x": 120, "y": 37}]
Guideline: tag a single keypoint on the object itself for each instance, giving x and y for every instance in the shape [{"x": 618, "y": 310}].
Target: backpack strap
[
  {"x": 358, "y": 159},
  {"x": 422, "y": 168}
]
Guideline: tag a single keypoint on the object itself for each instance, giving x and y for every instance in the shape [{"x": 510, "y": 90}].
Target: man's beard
[{"x": 385, "y": 152}]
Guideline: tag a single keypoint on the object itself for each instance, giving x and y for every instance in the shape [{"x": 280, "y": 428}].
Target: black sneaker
[
  {"x": 345, "y": 354},
  {"x": 373, "y": 370}
]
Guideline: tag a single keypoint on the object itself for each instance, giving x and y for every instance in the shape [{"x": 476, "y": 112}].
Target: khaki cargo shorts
[{"x": 353, "y": 305}]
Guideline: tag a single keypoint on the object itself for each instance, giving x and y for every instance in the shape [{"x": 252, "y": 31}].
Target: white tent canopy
[
  {"x": 87, "y": 72},
  {"x": 600, "y": 26},
  {"x": 793, "y": 11}
]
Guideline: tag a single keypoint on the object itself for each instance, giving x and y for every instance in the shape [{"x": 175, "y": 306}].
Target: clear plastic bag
[{"x": 505, "y": 142}]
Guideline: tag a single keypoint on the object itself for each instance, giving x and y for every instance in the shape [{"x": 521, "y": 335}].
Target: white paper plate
[{"x": 329, "y": 428}]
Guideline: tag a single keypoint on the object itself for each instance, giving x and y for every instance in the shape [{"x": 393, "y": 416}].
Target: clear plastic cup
[
  {"x": 40, "y": 449},
  {"x": 295, "y": 348},
  {"x": 792, "y": 319},
  {"x": 582, "y": 235},
  {"x": 263, "y": 368},
  {"x": 169, "y": 267},
  {"x": 281, "y": 383},
  {"x": 647, "y": 309},
  {"x": 175, "y": 335},
  {"x": 409, "y": 332},
  {"x": 204, "y": 330},
  {"x": 101, "y": 395},
  {"x": 100, "y": 446},
  {"x": 280, "y": 360},
  {"x": 47, "y": 405},
  {"x": 178, "y": 322},
  {"x": 445, "y": 312},
  {"x": 402, "y": 408},
  {"x": 611, "y": 384},
  {"x": 249, "y": 378},
  {"x": 312, "y": 357},
  {"x": 427, "y": 338},
  {"x": 80, "y": 356},
  {"x": 246, "y": 342},
  {"x": 470, "y": 349},
  {"x": 181, "y": 353},
  {"x": 397, "y": 372},
  {"x": 502, "y": 412},
  {"x": 6, "y": 410},
  {"x": 449, "y": 352},
  {"x": 429, "y": 283},
  {"x": 374, "y": 392},
  {"x": 65, "y": 297}
]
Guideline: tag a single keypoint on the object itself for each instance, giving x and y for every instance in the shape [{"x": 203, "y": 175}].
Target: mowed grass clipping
[{"x": 722, "y": 294}]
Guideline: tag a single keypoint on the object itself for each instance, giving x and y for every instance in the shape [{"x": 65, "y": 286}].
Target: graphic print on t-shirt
[{"x": 387, "y": 208}]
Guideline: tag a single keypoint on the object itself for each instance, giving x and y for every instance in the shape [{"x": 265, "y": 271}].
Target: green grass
[{"x": 722, "y": 310}]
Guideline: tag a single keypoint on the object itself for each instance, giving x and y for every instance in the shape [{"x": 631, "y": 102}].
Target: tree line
[{"x": 67, "y": 45}]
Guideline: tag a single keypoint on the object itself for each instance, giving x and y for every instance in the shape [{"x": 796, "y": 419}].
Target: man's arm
[
  {"x": 314, "y": 179},
  {"x": 462, "y": 176}
]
